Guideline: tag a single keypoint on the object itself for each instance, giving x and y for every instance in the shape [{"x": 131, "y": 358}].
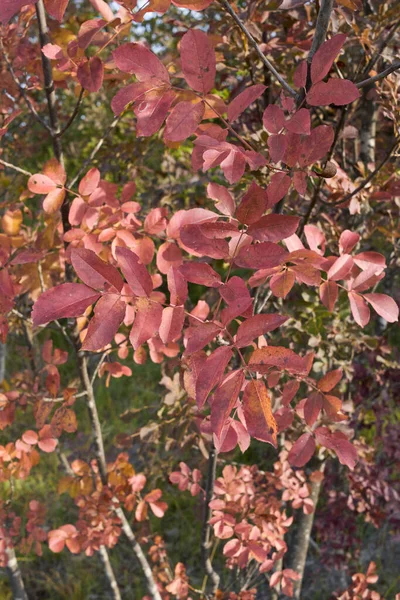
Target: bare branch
[
  {"x": 261, "y": 55},
  {"x": 393, "y": 67},
  {"x": 73, "y": 116},
  {"x": 321, "y": 28},
  {"x": 206, "y": 530},
  {"x": 382, "y": 46},
  {"x": 15, "y": 168}
]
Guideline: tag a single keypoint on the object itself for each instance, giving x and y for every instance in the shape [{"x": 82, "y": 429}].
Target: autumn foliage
[{"x": 262, "y": 283}]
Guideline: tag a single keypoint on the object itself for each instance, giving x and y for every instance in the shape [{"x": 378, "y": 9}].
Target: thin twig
[
  {"x": 321, "y": 27},
  {"x": 14, "y": 168},
  {"x": 261, "y": 55},
  {"x": 393, "y": 67},
  {"x": 382, "y": 46},
  {"x": 21, "y": 88},
  {"x": 72, "y": 117}
]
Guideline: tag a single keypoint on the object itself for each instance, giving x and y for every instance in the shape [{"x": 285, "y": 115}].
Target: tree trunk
[{"x": 15, "y": 576}]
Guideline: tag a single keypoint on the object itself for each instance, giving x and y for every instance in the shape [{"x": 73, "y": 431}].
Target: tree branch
[
  {"x": 261, "y": 55},
  {"x": 72, "y": 117},
  {"x": 14, "y": 575},
  {"x": 15, "y": 168},
  {"x": 206, "y": 530},
  {"x": 382, "y": 46},
  {"x": 23, "y": 93},
  {"x": 393, "y": 67},
  {"x": 321, "y": 28}
]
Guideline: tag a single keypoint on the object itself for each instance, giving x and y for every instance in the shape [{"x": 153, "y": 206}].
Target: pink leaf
[
  {"x": 384, "y": 305},
  {"x": 359, "y": 309},
  {"x": 56, "y": 8},
  {"x": 196, "y": 240},
  {"x": 200, "y": 273},
  {"x": 41, "y": 184},
  {"x": 171, "y": 323},
  {"x": 183, "y": 121},
  {"x": 273, "y": 118},
  {"x": 277, "y": 145},
  {"x": 328, "y": 292},
  {"x": 128, "y": 94},
  {"x": 177, "y": 287},
  {"x": 90, "y": 74},
  {"x": 135, "y": 272},
  {"x": 88, "y": 30},
  {"x": 65, "y": 300},
  {"x": 312, "y": 407},
  {"x": 225, "y": 202},
  {"x": 302, "y": 450},
  {"x": 322, "y": 60},
  {"x": 341, "y": 268},
  {"x": 89, "y": 182},
  {"x": 198, "y": 60},
  {"x": 256, "y": 326},
  {"x": 347, "y": 241},
  {"x": 147, "y": 321},
  {"x": 273, "y": 228},
  {"x": 136, "y": 58},
  {"x": 108, "y": 316},
  {"x": 93, "y": 271},
  {"x": 211, "y": 373},
  {"x": 244, "y": 100},
  {"x": 335, "y": 91}
]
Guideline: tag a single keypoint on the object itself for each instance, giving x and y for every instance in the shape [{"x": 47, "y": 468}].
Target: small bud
[{"x": 329, "y": 171}]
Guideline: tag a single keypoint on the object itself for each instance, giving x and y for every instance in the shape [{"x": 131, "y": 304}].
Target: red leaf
[
  {"x": 129, "y": 94},
  {"x": 183, "y": 121},
  {"x": 277, "y": 145},
  {"x": 156, "y": 221},
  {"x": 193, "y": 4},
  {"x": 65, "y": 300},
  {"x": 252, "y": 205},
  {"x": 337, "y": 442},
  {"x": 328, "y": 292},
  {"x": 302, "y": 450},
  {"x": 199, "y": 336},
  {"x": 334, "y": 91},
  {"x": 359, "y": 309},
  {"x": 88, "y": 30},
  {"x": 224, "y": 399},
  {"x": 93, "y": 271},
  {"x": 244, "y": 100},
  {"x": 237, "y": 296},
  {"x": 147, "y": 321},
  {"x": 330, "y": 380},
  {"x": 263, "y": 359},
  {"x": 273, "y": 118},
  {"x": 260, "y": 421},
  {"x": 300, "y": 182},
  {"x": 200, "y": 273},
  {"x": 315, "y": 146},
  {"x": 135, "y": 272},
  {"x": 171, "y": 323},
  {"x": 300, "y": 122},
  {"x": 322, "y": 60},
  {"x": 256, "y": 326},
  {"x": 56, "y": 8},
  {"x": 225, "y": 202},
  {"x": 177, "y": 287},
  {"x": 136, "y": 58},
  {"x": 278, "y": 187},
  {"x": 273, "y": 228},
  {"x": 8, "y": 8},
  {"x": 151, "y": 112},
  {"x": 193, "y": 238},
  {"x": 300, "y": 74},
  {"x": 312, "y": 407},
  {"x": 384, "y": 305},
  {"x": 234, "y": 166},
  {"x": 211, "y": 373},
  {"x": 198, "y": 60},
  {"x": 348, "y": 240},
  {"x": 108, "y": 316},
  {"x": 90, "y": 74},
  {"x": 261, "y": 256}
]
